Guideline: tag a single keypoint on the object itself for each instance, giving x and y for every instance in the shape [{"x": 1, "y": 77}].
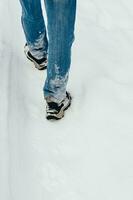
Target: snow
[{"x": 88, "y": 154}]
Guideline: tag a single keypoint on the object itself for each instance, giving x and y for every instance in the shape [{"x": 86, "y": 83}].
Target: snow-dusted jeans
[{"x": 60, "y": 27}]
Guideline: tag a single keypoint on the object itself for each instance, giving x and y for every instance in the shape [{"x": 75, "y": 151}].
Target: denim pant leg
[
  {"x": 34, "y": 27},
  {"x": 61, "y": 21}
]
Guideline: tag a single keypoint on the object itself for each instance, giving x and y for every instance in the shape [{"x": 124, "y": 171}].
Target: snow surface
[{"x": 88, "y": 155}]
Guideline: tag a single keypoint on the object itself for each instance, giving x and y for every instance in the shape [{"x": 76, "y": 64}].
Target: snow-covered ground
[{"x": 88, "y": 155}]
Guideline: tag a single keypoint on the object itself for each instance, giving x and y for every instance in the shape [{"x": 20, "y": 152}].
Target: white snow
[{"x": 88, "y": 155}]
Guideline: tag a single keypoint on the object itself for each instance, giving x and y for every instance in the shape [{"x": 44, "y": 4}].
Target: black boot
[
  {"x": 55, "y": 111},
  {"x": 39, "y": 63}
]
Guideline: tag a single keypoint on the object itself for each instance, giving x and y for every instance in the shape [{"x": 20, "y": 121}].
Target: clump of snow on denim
[
  {"x": 57, "y": 86},
  {"x": 37, "y": 48}
]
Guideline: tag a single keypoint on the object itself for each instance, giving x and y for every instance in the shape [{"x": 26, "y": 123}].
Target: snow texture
[{"x": 88, "y": 154}]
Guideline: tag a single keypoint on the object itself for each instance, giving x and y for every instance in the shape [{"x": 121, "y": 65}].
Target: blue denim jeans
[{"x": 55, "y": 40}]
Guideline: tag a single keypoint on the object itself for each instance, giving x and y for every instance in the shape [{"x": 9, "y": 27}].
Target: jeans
[{"x": 55, "y": 40}]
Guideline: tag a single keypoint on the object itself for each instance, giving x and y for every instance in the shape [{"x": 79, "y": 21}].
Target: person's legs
[
  {"x": 61, "y": 20},
  {"x": 34, "y": 27}
]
